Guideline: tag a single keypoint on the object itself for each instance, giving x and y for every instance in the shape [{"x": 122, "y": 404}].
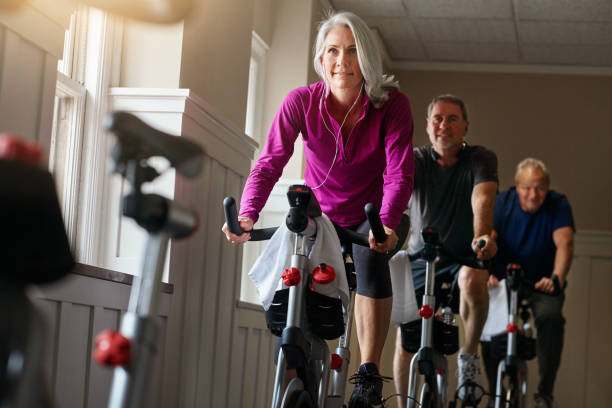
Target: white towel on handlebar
[
  {"x": 405, "y": 307},
  {"x": 497, "y": 319},
  {"x": 267, "y": 270}
]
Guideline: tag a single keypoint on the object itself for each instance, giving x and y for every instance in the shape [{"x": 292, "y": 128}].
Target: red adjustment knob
[
  {"x": 323, "y": 274},
  {"x": 511, "y": 328},
  {"x": 336, "y": 362},
  {"x": 112, "y": 349},
  {"x": 291, "y": 277},
  {"x": 426, "y": 311},
  {"x": 439, "y": 371},
  {"x": 13, "y": 148}
]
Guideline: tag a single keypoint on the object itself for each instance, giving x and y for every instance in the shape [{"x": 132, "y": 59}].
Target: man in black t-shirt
[{"x": 454, "y": 192}]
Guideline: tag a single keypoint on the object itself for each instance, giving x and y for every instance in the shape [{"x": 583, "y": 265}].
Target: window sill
[{"x": 113, "y": 276}]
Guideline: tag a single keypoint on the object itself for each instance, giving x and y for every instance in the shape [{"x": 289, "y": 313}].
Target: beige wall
[
  {"x": 215, "y": 55},
  {"x": 561, "y": 119},
  {"x": 151, "y": 55},
  {"x": 263, "y": 14},
  {"x": 288, "y": 64}
]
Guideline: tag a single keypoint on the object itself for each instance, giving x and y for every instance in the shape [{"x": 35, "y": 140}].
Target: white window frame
[
  {"x": 70, "y": 157},
  {"x": 255, "y": 98},
  {"x": 89, "y": 68},
  {"x": 254, "y": 129}
]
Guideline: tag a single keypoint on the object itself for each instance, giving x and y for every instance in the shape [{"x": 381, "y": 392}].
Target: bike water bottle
[
  {"x": 527, "y": 330},
  {"x": 447, "y": 316},
  {"x": 324, "y": 280}
]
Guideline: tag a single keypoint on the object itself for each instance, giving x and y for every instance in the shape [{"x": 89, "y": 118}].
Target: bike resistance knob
[
  {"x": 112, "y": 349},
  {"x": 291, "y": 276}
]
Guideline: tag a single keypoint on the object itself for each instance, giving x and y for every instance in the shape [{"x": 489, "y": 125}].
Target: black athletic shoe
[{"x": 368, "y": 387}]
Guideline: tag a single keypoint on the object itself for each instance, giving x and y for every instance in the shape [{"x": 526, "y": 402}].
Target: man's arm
[
  {"x": 483, "y": 203},
  {"x": 564, "y": 241}
]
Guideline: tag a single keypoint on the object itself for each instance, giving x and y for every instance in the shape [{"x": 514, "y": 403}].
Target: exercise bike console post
[
  {"x": 131, "y": 350},
  {"x": 439, "y": 336},
  {"x": 303, "y": 346}
]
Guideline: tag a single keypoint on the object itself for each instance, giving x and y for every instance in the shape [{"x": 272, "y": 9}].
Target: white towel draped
[
  {"x": 267, "y": 270},
  {"x": 497, "y": 320},
  {"x": 405, "y": 308}
]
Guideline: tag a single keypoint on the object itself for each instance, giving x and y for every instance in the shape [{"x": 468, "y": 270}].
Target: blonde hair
[
  {"x": 377, "y": 84},
  {"x": 534, "y": 164}
]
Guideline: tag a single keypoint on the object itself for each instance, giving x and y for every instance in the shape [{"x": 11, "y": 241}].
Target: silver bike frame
[
  {"x": 511, "y": 351},
  {"x": 439, "y": 360},
  {"x": 139, "y": 322},
  {"x": 320, "y": 358}
]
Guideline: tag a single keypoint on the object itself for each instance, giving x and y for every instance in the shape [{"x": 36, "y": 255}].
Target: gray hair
[
  {"x": 534, "y": 164},
  {"x": 377, "y": 84},
  {"x": 451, "y": 99}
]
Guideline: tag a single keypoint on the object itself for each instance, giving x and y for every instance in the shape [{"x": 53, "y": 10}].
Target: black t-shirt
[{"x": 442, "y": 196}]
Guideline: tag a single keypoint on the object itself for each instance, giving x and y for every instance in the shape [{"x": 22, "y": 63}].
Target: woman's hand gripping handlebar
[
  {"x": 240, "y": 229},
  {"x": 382, "y": 239}
]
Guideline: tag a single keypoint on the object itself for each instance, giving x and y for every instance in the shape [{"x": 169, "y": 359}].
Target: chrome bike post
[
  {"x": 412, "y": 382},
  {"x": 430, "y": 300},
  {"x": 339, "y": 377},
  {"x": 499, "y": 398},
  {"x": 512, "y": 319},
  {"x": 442, "y": 380},
  {"x": 139, "y": 326},
  {"x": 279, "y": 380},
  {"x": 295, "y": 308}
]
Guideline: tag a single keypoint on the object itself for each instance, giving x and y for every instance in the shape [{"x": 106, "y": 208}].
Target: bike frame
[
  {"x": 512, "y": 367},
  {"x": 316, "y": 356},
  {"x": 428, "y": 362},
  {"x": 302, "y": 350}
]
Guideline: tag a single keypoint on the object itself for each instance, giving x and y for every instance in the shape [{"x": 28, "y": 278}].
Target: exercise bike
[
  {"x": 515, "y": 347},
  {"x": 131, "y": 350},
  {"x": 304, "y": 319},
  {"x": 438, "y": 334}
]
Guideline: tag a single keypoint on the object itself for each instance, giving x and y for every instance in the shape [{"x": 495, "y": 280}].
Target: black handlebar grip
[
  {"x": 481, "y": 244},
  {"x": 375, "y": 224},
  {"x": 231, "y": 216}
]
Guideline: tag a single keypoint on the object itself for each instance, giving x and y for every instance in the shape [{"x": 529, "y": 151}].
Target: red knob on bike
[
  {"x": 12, "y": 147},
  {"x": 323, "y": 274},
  {"x": 511, "y": 328},
  {"x": 426, "y": 311},
  {"x": 112, "y": 349},
  {"x": 336, "y": 362},
  {"x": 291, "y": 277}
]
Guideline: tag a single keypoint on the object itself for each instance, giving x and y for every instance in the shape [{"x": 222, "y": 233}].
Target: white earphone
[{"x": 337, "y": 137}]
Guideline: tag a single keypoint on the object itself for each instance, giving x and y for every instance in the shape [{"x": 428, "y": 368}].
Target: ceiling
[{"x": 573, "y": 36}]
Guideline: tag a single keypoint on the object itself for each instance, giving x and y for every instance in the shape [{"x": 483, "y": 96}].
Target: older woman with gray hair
[{"x": 357, "y": 132}]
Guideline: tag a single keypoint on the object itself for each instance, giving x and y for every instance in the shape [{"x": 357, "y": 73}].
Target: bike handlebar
[
  {"x": 375, "y": 224},
  {"x": 516, "y": 278},
  {"x": 231, "y": 217},
  {"x": 463, "y": 260},
  {"x": 344, "y": 234}
]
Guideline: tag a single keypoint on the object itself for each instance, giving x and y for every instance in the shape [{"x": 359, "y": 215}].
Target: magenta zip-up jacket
[{"x": 376, "y": 163}]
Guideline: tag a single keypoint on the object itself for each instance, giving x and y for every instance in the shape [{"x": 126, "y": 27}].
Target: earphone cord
[{"x": 336, "y": 137}]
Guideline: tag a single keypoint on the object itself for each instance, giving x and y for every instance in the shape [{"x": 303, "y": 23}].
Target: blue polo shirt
[{"x": 526, "y": 238}]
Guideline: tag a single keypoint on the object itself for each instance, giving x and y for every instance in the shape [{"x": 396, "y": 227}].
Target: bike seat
[{"x": 139, "y": 141}]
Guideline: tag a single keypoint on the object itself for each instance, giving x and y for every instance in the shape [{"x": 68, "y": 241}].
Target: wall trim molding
[
  {"x": 497, "y": 68},
  {"x": 593, "y": 243},
  {"x": 221, "y": 139}
]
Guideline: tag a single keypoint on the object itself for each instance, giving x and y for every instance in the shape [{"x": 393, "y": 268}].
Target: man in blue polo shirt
[{"x": 535, "y": 228}]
